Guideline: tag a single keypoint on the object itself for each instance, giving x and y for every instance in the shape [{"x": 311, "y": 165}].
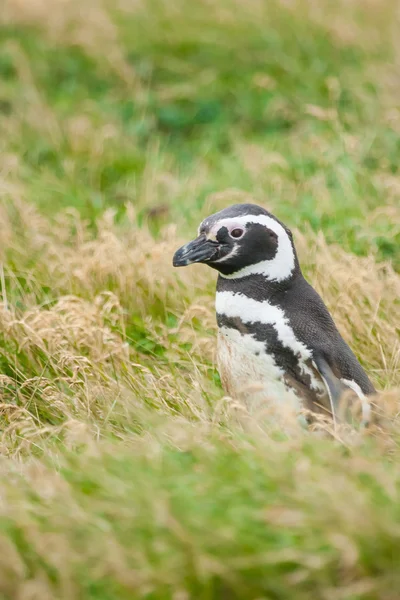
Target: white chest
[
  {"x": 249, "y": 374},
  {"x": 248, "y": 371}
]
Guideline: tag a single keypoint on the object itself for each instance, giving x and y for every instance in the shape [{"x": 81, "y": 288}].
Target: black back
[{"x": 308, "y": 317}]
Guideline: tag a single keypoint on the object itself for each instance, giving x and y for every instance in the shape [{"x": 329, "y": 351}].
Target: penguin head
[{"x": 241, "y": 240}]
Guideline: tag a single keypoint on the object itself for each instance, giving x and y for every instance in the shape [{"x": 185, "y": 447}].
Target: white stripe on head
[
  {"x": 249, "y": 310},
  {"x": 234, "y": 252},
  {"x": 278, "y": 268}
]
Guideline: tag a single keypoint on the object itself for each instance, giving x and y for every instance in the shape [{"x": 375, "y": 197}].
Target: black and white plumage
[{"x": 275, "y": 332}]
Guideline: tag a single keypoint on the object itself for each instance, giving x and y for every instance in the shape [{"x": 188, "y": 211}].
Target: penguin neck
[
  {"x": 281, "y": 268},
  {"x": 258, "y": 286},
  {"x": 264, "y": 282}
]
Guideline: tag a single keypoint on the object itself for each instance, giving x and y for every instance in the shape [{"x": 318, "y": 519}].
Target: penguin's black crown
[{"x": 241, "y": 240}]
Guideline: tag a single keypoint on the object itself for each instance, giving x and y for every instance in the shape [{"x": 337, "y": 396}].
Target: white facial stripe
[
  {"x": 228, "y": 256},
  {"x": 230, "y": 224},
  {"x": 277, "y": 269},
  {"x": 250, "y": 311},
  {"x": 211, "y": 236}
]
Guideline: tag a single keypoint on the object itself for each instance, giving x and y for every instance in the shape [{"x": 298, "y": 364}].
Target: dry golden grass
[
  {"x": 127, "y": 473},
  {"x": 76, "y": 335}
]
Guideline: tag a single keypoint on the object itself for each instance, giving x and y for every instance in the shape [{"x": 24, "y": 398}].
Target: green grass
[
  {"x": 207, "y": 522},
  {"x": 179, "y": 91},
  {"x": 126, "y": 472}
]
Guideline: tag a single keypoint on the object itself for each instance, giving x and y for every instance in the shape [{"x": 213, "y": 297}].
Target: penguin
[{"x": 276, "y": 337}]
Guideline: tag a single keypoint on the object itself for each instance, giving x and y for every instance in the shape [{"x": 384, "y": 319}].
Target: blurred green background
[
  {"x": 125, "y": 471},
  {"x": 164, "y": 102}
]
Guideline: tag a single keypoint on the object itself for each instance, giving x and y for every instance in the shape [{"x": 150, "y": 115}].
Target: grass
[{"x": 126, "y": 471}]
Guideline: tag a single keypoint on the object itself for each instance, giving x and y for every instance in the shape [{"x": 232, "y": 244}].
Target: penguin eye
[{"x": 236, "y": 233}]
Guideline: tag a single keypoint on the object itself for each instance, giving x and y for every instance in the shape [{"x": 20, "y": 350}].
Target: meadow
[{"x": 126, "y": 472}]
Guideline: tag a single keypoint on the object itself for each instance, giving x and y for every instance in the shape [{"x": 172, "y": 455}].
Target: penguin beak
[{"x": 199, "y": 250}]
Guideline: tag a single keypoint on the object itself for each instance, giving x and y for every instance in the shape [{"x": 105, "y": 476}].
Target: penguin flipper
[
  {"x": 334, "y": 386},
  {"x": 337, "y": 387}
]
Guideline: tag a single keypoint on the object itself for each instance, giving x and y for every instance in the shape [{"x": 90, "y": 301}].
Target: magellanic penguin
[{"x": 275, "y": 334}]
